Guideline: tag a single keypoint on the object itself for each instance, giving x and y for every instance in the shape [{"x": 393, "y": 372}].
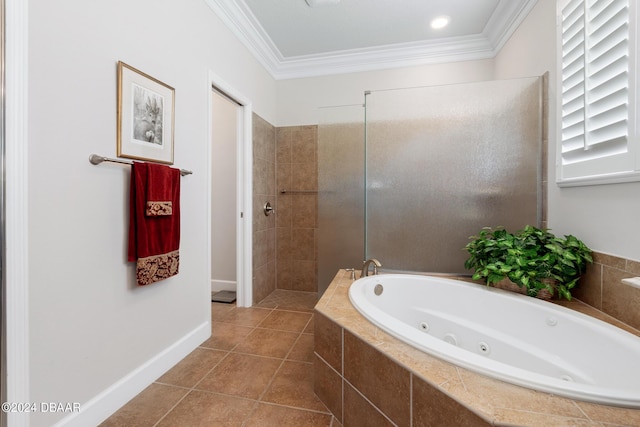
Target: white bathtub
[{"x": 504, "y": 335}]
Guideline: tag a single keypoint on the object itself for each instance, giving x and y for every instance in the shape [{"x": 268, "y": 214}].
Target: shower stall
[{"x": 407, "y": 177}]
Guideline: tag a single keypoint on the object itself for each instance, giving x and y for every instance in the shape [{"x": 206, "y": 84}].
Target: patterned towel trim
[
  {"x": 158, "y": 267},
  {"x": 159, "y": 208}
]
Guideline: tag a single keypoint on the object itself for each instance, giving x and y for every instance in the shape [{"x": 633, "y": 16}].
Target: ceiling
[{"x": 292, "y": 39}]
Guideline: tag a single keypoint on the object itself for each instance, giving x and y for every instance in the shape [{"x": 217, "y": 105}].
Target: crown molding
[
  {"x": 246, "y": 28},
  {"x": 237, "y": 16},
  {"x": 505, "y": 21},
  {"x": 384, "y": 57}
]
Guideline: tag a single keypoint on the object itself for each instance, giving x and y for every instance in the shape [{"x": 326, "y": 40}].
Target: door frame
[
  {"x": 244, "y": 190},
  {"x": 16, "y": 303}
]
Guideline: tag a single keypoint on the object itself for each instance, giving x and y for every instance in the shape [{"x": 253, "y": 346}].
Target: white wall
[
  {"x": 604, "y": 216},
  {"x": 223, "y": 193},
  {"x": 299, "y": 99},
  {"x": 89, "y": 325}
]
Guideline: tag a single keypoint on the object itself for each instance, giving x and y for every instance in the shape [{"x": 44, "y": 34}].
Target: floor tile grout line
[
  {"x": 247, "y": 354},
  {"x": 251, "y": 412},
  {"x": 172, "y": 408},
  {"x": 286, "y": 359},
  {"x": 277, "y": 371},
  {"x": 315, "y": 411},
  {"x": 279, "y": 368},
  {"x": 268, "y": 386},
  {"x": 278, "y": 330},
  {"x": 194, "y": 388},
  {"x": 225, "y": 317},
  {"x": 252, "y": 326},
  {"x": 255, "y": 402},
  {"x": 226, "y": 356},
  {"x": 189, "y": 389}
]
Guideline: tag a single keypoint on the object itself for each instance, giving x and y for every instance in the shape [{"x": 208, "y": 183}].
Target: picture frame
[{"x": 145, "y": 116}]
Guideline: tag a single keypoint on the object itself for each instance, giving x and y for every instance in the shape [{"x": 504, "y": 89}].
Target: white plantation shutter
[{"x": 597, "y": 133}]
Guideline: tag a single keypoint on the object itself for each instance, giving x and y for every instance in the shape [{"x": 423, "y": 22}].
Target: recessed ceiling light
[{"x": 440, "y": 22}]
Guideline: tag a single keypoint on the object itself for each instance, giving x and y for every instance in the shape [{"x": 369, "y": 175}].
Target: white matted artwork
[{"x": 145, "y": 116}]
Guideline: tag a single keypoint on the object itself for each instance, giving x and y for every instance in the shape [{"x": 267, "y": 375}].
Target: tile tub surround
[
  {"x": 601, "y": 287},
  {"x": 364, "y": 373}
]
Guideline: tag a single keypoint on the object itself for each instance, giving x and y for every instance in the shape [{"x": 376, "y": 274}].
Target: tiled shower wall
[
  {"x": 264, "y": 190},
  {"x": 297, "y": 212},
  {"x": 284, "y": 243}
]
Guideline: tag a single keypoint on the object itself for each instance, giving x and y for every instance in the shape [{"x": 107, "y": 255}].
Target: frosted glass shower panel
[
  {"x": 443, "y": 162},
  {"x": 340, "y": 191}
]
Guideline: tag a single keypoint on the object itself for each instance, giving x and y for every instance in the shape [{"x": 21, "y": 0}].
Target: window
[{"x": 598, "y": 141}]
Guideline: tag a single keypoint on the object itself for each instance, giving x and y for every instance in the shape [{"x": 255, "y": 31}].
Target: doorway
[
  {"x": 224, "y": 142},
  {"x": 230, "y": 192},
  {"x": 3, "y": 304}
]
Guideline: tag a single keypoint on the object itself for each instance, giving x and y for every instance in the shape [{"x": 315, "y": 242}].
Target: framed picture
[{"x": 145, "y": 116}]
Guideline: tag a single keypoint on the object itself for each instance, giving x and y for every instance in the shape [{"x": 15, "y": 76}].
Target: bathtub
[{"x": 507, "y": 336}]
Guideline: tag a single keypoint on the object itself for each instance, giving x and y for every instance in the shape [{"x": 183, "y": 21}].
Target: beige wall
[
  {"x": 223, "y": 193},
  {"x": 299, "y": 99}
]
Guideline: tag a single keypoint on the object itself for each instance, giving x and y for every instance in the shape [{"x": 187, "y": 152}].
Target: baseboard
[
  {"x": 110, "y": 400},
  {"x": 223, "y": 285}
]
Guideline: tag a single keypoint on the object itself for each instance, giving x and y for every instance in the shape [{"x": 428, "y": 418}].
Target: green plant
[{"x": 532, "y": 258}]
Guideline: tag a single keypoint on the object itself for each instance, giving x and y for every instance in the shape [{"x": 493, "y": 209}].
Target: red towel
[
  {"x": 154, "y": 236},
  {"x": 159, "y": 200}
]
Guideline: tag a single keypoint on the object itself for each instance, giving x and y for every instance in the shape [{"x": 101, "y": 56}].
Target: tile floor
[{"x": 255, "y": 370}]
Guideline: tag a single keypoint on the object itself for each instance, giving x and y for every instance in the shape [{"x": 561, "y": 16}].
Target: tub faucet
[{"x": 365, "y": 267}]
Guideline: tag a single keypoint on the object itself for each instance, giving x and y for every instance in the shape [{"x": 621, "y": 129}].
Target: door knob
[{"x": 268, "y": 209}]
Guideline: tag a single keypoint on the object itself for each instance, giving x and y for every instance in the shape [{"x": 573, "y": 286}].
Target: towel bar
[{"x": 95, "y": 159}]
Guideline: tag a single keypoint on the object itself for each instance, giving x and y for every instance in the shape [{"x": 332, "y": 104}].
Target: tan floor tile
[
  {"x": 294, "y": 321},
  {"x": 309, "y": 328},
  {"x": 209, "y": 409},
  {"x": 246, "y": 316},
  {"x": 293, "y": 386},
  {"x": 147, "y": 408},
  {"x": 220, "y": 398},
  {"x": 219, "y": 310},
  {"x": 290, "y": 300},
  {"x": 192, "y": 368},
  {"x": 303, "y": 349},
  {"x": 267, "y": 415},
  {"x": 225, "y": 336},
  {"x": 267, "y": 342},
  {"x": 241, "y": 375}
]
